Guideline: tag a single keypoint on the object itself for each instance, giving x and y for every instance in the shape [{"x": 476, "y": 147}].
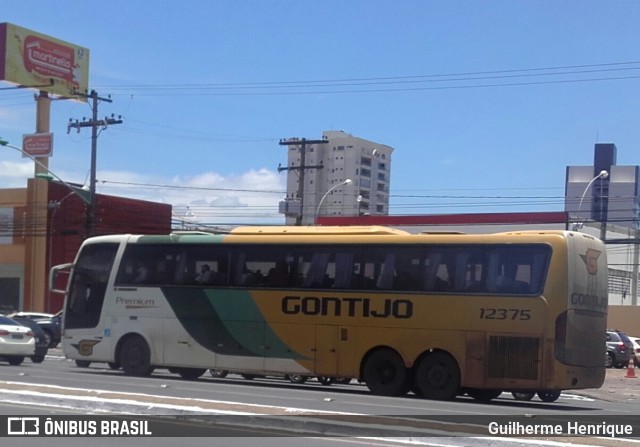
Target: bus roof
[
  {"x": 300, "y": 234},
  {"x": 319, "y": 230}
]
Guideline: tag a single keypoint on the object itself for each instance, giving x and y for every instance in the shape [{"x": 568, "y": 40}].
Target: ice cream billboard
[{"x": 34, "y": 60}]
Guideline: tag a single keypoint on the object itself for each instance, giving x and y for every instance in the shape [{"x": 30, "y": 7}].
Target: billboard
[{"x": 35, "y": 60}]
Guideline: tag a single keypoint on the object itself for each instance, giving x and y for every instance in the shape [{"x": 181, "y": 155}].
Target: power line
[
  {"x": 195, "y": 188},
  {"x": 456, "y": 76}
]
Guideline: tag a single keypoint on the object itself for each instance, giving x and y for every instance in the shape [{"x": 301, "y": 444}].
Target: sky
[{"x": 484, "y": 103}]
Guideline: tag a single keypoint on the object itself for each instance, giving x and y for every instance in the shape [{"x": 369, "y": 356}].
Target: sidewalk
[{"x": 616, "y": 387}]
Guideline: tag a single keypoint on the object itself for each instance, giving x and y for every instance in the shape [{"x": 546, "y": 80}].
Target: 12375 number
[{"x": 505, "y": 314}]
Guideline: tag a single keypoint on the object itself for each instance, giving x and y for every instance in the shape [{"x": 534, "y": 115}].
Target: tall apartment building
[{"x": 342, "y": 176}]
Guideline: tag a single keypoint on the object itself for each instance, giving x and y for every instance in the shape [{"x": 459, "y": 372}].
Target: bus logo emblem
[{"x": 590, "y": 259}]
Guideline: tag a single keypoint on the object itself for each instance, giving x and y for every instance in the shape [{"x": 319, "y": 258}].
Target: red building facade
[{"x": 67, "y": 226}]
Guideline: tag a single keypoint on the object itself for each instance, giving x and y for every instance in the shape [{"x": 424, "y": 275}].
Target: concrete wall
[{"x": 625, "y": 319}]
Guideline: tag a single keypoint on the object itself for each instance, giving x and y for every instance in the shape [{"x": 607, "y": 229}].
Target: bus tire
[
  {"x": 437, "y": 377},
  {"x": 483, "y": 395},
  {"x": 249, "y": 376},
  {"x": 522, "y": 395},
  {"x": 135, "y": 357},
  {"x": 218, "y": 373},
  {"x": 325, "y": 380},
  {"x": 296, "y": 378},
  {"x": 549, "y": 396},
  {"x": 190, "y": 373},
  {"x": 385, "y": 374}
]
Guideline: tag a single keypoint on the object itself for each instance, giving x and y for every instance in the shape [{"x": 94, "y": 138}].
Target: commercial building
[
  {"x": 343, "y": 175},
  {"x": 604, "y": 200},
  {"x": 605, "y": 192}
]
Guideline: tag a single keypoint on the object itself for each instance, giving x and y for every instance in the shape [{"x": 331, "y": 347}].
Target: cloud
[
  {"x": 250, "y": 197},
  {"x": 206, "y": 198},
  {"x": 15, "y": 174}
]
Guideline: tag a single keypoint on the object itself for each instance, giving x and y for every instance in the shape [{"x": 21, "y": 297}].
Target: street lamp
[
  {"x": 346, "y": 182},
  {"x": 603, "y": 174},
  {"x": 49, "y": 176}
]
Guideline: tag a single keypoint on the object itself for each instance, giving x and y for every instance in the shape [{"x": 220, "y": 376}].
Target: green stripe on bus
[
  {"x": 226, "y": 322},
  {"x": 181, "y": 239}
]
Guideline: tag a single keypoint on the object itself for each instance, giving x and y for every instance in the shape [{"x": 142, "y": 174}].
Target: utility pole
[
  {"x": 94, "y": 123},
  {"x": 302, "y": 147}
]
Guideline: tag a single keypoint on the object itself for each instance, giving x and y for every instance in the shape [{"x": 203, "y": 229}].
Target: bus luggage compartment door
[{"x": 326, "y": 350}]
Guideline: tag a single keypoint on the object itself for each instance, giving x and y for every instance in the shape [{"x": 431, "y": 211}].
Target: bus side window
[
  {"x": 430, "y": 277},
  {"x": 408, "y": 271},
  {"x": 474, "y": 278},
  {"x": 443, "y": 279},
  {"x": 219, "y": 273},
  {"x": 344, "y": 270},
  {"x": 315, "y": 274},
  {"x": 278, "y": 275},
  {"x": 387, "y": 272},
  {"x": 239, "y": 270},
  {"x": 143, "y": 274},
  {"x": 514, "y": 275}
]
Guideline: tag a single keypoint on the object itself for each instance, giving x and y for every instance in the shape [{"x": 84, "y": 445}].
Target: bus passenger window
[
  {"x": 204, "y": 276},
  {"x": 315, "y": 273},
  {"x": 343, "y": 270},
  {"x": 443, "y": 281},
  {"x": 218, "y": 275},
  {"x": 143, "y": 275},
  {"x": 387, "y": 272},
  {"x": 278, "y": 276}
]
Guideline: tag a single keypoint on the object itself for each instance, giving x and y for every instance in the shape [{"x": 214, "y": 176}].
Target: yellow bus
[{"x": 434, "y": 314}]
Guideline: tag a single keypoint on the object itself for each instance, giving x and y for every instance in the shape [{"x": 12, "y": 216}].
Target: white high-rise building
[{"x": 346, "y": 176}]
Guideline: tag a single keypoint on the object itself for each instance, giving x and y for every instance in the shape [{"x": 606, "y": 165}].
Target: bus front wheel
[
  {"x": 135, "y": 357},
  {"x": 437, "y": 377},
  {"x": 190, "y": 373},
  {"x": 385, "y": 373}
]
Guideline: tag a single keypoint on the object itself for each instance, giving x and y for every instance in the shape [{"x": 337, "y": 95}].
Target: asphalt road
[{"x": 58, "y": 387}]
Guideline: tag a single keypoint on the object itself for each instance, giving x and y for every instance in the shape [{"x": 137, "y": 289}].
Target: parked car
[
  {"x": 16, "y": 341},
  {"x": 51, "y": 324},
  {"x": 619, "y": 349},
  {"x": 33, "y": 315},
  {"x": 636, "y": 351},
  {"x": 42, "y": 340}
]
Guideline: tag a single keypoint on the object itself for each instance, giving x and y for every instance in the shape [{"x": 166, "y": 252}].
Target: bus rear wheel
[
  {"x": 548, "y": 396},
  {"x": 522, "y": 395},
  {"x": 385, "y": 374},
  {"x": 483, "y": 395},
  {"x": 135, "y": 357},
  {"x": 325, "y": 380},
  {"x": 296, "y": 378},
  {"x": 437, "y": 377}
]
